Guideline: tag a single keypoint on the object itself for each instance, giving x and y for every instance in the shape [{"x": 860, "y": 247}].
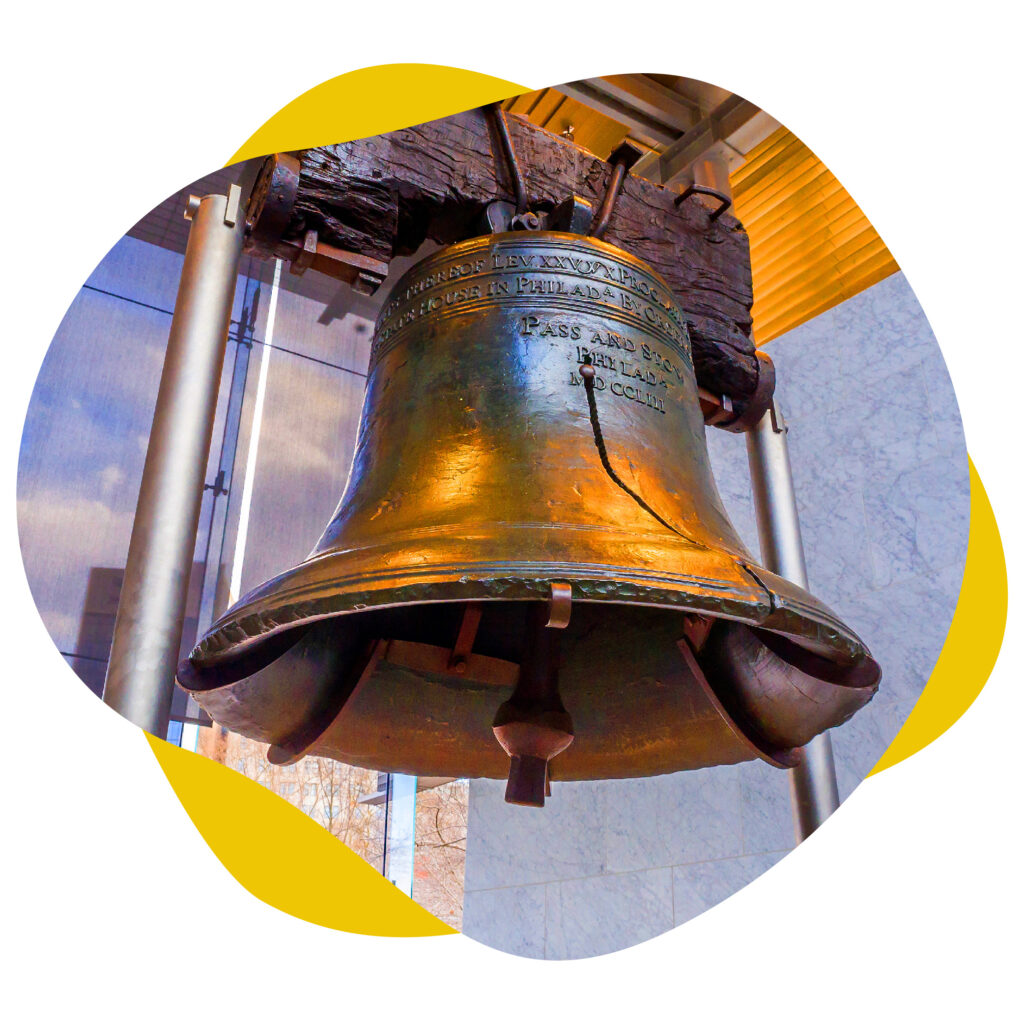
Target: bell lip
[
  {"x": 197, "y": 678},
  {"x": 241, "y": 637},
  {"x": 860, "y": 674}
]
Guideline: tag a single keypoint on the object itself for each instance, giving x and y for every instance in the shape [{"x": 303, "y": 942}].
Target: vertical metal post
[
  {"x": 147, "y": 631},
  {"x": 813, "y": 788}
]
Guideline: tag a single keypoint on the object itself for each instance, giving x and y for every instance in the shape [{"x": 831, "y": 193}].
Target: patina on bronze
[{"x": 531, "y": 542}]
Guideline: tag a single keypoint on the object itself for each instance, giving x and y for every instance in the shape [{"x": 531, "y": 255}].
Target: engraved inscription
[
  {"x": 549, "y": 329},
  {"x": 576, "y": 298},
  {"x": 637, "y": 373},
  {"x": 633, "y": 393},
  {"x": 534, "y": 270}
]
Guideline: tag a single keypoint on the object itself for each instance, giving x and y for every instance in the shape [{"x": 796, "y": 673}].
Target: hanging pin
[
  {"x": 623, "y": 157},
  {"x": 524, "y": 219}
]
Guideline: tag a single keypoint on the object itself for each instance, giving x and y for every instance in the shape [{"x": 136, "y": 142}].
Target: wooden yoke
[{"x": 348, "y": 209}]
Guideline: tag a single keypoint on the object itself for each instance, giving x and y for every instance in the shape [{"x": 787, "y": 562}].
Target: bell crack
[
  {"x": 773, "y": 604},
  {"x": 588, "y": 374}
]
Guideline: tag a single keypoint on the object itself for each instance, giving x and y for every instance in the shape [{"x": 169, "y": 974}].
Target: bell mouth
[{"x": 379, "y": 686}]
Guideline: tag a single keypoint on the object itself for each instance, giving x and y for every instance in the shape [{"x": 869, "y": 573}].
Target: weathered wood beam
[{"x": 383, "y": 196}]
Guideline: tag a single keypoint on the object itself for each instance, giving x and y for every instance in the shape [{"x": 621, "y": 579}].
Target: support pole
[
  {"x": 813, "y": 788},
  {"x": 147, "y": 631}
]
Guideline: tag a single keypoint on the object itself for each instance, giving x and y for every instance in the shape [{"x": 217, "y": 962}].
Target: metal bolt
[{"x": 525, "y": 222}]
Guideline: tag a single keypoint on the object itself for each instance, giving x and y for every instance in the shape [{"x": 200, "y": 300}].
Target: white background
[{"x": 906, "y": 905}]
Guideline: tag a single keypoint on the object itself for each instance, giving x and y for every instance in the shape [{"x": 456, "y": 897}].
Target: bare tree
[
  {"x": 329, "y": 792},
  {"x": 440, "y": 866},
  {"x": 326, "y": 790}
]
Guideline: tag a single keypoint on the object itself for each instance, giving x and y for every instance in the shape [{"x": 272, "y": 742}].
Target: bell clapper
[{"x": 532, "y": 725}]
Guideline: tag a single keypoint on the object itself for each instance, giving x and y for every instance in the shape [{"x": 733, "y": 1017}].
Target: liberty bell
[{"x": 530, "y": 574}]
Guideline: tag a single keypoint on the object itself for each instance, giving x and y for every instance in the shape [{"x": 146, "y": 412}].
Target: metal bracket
[
  {"x": 717, "y": 409},
  {"x": 471, "y": 616},
  {"x": 559, "y": 606},
  {"x": 528, "y": 221},
  {"x": 573, "y": 214},
  {"x": 779, "y": 425},
  {"x": 363, "y": 273},
  {"x": 234, "y": 203},
  {"x": 268, "y": 215},
  {"x": 498, "y": 216},
  {"x": 501, "y": 216},
  {"x": 217, "y": 486},
  {"x": 479, "y": 669}
]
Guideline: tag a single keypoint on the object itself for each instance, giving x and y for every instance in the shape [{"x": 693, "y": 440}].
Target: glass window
[{"x": 306, "y": 439}]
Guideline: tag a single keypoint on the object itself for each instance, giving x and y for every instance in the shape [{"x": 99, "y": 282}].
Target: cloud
[{"x": 63, "y": 536}]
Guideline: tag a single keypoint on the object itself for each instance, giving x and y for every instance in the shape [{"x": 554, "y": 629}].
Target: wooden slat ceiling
[
  {"x": 811, "y": 247},
  {"x": 561, "y": 114}
]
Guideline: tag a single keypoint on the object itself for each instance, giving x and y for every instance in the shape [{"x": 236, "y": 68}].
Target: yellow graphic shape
[
  {"x": 973, "y": 642},
  {"x": 372, "y": 101},
  {"x": 285, "y": 858}
]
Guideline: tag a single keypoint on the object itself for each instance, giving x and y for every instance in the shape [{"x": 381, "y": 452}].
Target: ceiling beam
[
  {"x": 652, "y": 99},
  {"x": 673, "y": 164},
  {"x": 646, "y": 128}
]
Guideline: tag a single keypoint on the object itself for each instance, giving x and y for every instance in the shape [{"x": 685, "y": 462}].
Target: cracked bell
[{"x": 530, "y": 574}]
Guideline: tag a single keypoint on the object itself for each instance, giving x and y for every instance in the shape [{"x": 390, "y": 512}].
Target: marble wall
[{"x": 881, "y": 476}]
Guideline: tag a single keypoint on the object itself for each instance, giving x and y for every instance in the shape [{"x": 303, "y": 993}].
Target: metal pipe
[
  {"x": 622, "y": 158},
  {"x": 497, "y": 115},
  {"x": 813, "y": 790},
  {"x": 604, "y": 214},
  {"x": 147, "y": 631}
]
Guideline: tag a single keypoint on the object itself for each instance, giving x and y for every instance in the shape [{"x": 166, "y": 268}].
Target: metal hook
[{"x": 704, "y": 190}]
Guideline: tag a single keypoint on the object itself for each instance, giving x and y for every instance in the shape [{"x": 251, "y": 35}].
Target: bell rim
[{"x": 753, "y": 600}]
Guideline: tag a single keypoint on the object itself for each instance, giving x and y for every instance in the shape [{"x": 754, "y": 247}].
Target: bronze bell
[{"x": 531, "y": 559}]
